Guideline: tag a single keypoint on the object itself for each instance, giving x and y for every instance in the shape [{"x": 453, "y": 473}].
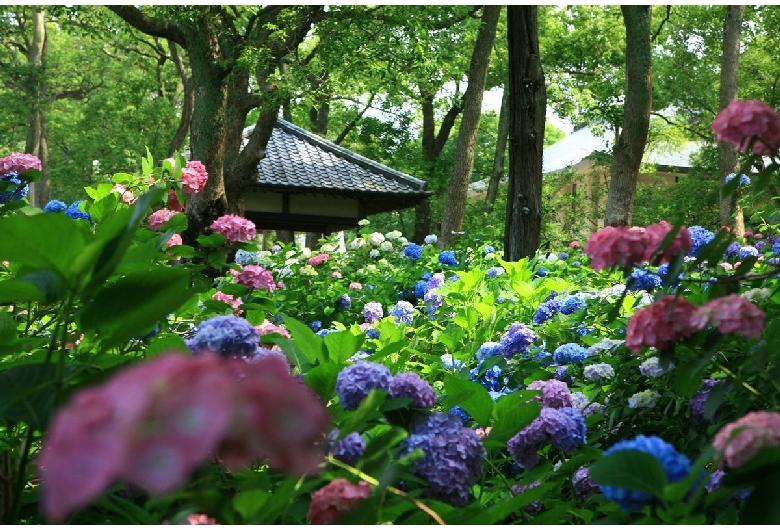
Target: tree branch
[
  {"x": 149, "y": 25},
  {"x": 683, "y": 127},
  {"x": 664, "y": 21},
  {"x": 351, "y": 125}
]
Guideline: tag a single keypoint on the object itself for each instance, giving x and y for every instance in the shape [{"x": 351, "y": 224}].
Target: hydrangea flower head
[
  {"x": 495, "y": 272},
  {"x": 734, "y": 314},
  {"x": 533, "y": 507},
  {"x": 450, "y": 363},
  {"x": 698, "y": 400},
  {"x": 642, "y": 280},
  {"x": 344, "y": 302},
  {"x": 663, "y": 323},
  {"x": 598, "y": 372},
  {"x": 572, "y": 303},
  {"x": 413, "y": 250},
  {"x": 403, "y": 311},
  {"x": 555, "y": 394},
  {"x": 234, "y": 228},
  {"x": 13, "y": 194},
  {"x": 744, "y": 180},
  {"x": 741, "y": 440},
  {"x": 411, "y": 385},
  {"x": 55, "y": 206},
  {"x": 583, "y": 484},
  {"x": 646, "y": 399},
  {"x": 228, "y": 335},
  {"x": 349, "y": 449},
  {"x": 650, "y": 367},
  {"x": 700, "y": 237},
  {"x": 546, "y": 310},
  {"x": 159, "y": 218},
  {"x": 733, "y": 249},
  {"x": 488, "y": 349},
  {"x": 516, "y": 340},
  {"x": 748, "y": 251},
  {"x": 319, "y": 259},
  {"x": 194, "y": 176},
  {"x": 746, "y": 121},
  {"x": 373, "y": 312},
  {"x": 447, "y": 257},
  {"x": 452, "y": 461},
  {"x": 563, "y": 427},
  {"x": 74, "y": 212},
  {"x": 244, "y": 257},
  {"x": 376, "y": 238},
  {"x": 675, "y": 464},
  {"x": 19, "y": 163},
  {"x": 570, "y": 353},
  {"x": 356, "y": 381},
  {"x": 338, "y": 497},
  {"x": 488, "y": 249},
  {"x": 254, "y": 277},
  {"x": 431, "y": 239}
]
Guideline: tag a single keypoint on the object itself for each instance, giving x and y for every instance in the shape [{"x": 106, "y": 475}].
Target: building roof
[
  {"x": 583, "y": 142},
  {"x": 298, "y": 159}
]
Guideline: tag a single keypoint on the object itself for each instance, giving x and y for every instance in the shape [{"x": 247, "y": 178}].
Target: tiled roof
[{"x": 296, "y": 158}]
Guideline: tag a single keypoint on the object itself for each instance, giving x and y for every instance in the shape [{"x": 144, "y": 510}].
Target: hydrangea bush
[{"x": 147, "y": 379}]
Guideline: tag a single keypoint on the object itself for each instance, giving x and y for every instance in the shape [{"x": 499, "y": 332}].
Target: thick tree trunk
[
  {"x": 498, "y": 157},
  {"x": 37, "y": 138},
  {"x": 527, "y": 109},
  {"x": 455, "y": 202},
  {"x": 630, "y": 147},
  {"x": 730, "y": 212}
]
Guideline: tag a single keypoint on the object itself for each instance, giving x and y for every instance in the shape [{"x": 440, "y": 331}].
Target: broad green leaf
[
  {"x": 512, "y": 413},
  {"x": 211, "y": 241},
  {"x": 27, "y": 393},
  {"x": 166, "y": 344},
  {"x": 309, "y": 342},
  {"x": 342, "y": 345},
  {"x": 322, "y": 380},
  {"x": 369, "y": 408},
  {"x": 630, "y": 469},
  {"x": 250, "y": 503},
  {"x": 134, "y": 303},
  {"x": 473, "y": 397},
  {"x": 16, "y": 291},
  {"x": 7, "y": 328}
]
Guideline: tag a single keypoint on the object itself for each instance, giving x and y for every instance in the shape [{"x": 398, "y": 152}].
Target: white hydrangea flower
[
  {"x": 305, "y": 252},
  {"x": 290, "y": 253},
  {"x": 431, "y": 239},
  {"x": 371, "y": 269},
  {"x": 327, "y": 248},
  {"x": 376, "y": 239},
  {"x": 645, "y": 399},
  {"x": 393, "y": 235},
  {"x": 364, "y": 222},
  {"x": 383, "y": 263},
  {"x": 756, "y": 295},
  {"x": 597, "y": 372},
  {"x": 357, "y": 243},
  {"x": 651, "y": 368},
  {"x": 265, "y": 259},
  {"x": 374, "y": 253},
  {"x": 291, "y": 261},
  {"x": 386, "y": 246},
  {"x": 403, "y": 241}
]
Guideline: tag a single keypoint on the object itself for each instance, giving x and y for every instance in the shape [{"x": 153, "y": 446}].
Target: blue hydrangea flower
[
  {"x": 459, "y": 412},
  {"x": 55, "y": 206},
  {"x": 74, "y": 212},
  {"x": 733, "y": 249},
  {"x": 541, "y": 272},
  {"x": 570, "y": 353},
  {"x": 431, "y": 239},
  {"x": 545, "y": 311},
  {"x": 447, "y": 257},
  {"x": 344, "y": 302},
  {"x": 435, "y": 280},
  {"x": 453, "y": 456},
  {"x": 355, "y": 382},
  {"x": 495, "y": 272},
  {"x": 373, "y": 311},
  {"x": 413, "y": 250},
  {"x": 572, "y": 303},
  {"x": 432, "y": 302},
  {"x": 562, "y": 374},
  {"x": 491, "y": 379},
  {"x": 516, "y": 340},
  {"x": 642, "y": 280},
  {"x": 420, "y": 288},
  {"x": 13, "y": 194},
  {"x": 403, "y": 311},
  {"x": 744, "y": 180},
  {"x": 563, "y": 255},
  {"x": 700, "y": 237},
  {"x": 760, "y": 245},
  {"x": 663, "y": 271},
  {"x": 675, "y": 464},
  {"x": 411, "y": 385},
  {"x": 227, "y": 335},
  {"x": 321, "y": 333},
  {"x": 315, "y": 326},
  {"x": 244, "y": 257},
  {"x": 372, "y": 333},
  {"x": 488, "y": 249},
  {"x": 349, "y": 449},
  {"x": 748, "y": 251},
  {"x": 488, "y": 349},
  {"x": 450, "y": 363},
  {"x": 776, "y": 247}
]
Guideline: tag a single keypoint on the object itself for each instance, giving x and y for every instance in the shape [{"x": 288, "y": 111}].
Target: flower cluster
[
  {"x": 546, "y": 310},
  {"x": 338, "y": 497},
  {"x": 14, "y": 194},
  {"x": 598, "y": 372},
  {"x": 495, "y": 272},
  {"x": 447, "y": 257},
  {"x": 516, "y": 340},
  {"x": 572, "y": 304},
  {"x": 228, "y": 335},
  {"x": 344, "y": 302},
  {"x": 159, "y": 218},
  {"x": 373, "y": 312},
  {"x": 355, "y": 382},
  {"x": 452, "y": 460},
  {"x": 650, "y": 367},
  {"x": 627, "y": 246},
  {"x": 533, "y": 507},
  {"x": 741, "y": 440},
  {"x": 194, "y": 176},
  {"x": 642, "y": 280},
  {"x": 646, "y": 399},
  {"x": 234, "y": 228},
  {"x": 413, "y": 250},
  {"x": 749, "y": 123},
  {"x": 349, "y": 449},
  {"x": 403, "y": 311},
  {"x": 700, "y": 237},
  {"x": 675, "y": 464},
  {"x": 663, "y": 323},
  {"x": 182, "y": 410},
  {"x": 744, "y": 180},
  {"x": 698, "y": 400},
  {"x": 570, "y": 353},
  {"x": 229, "y": 299},
  {"x": 319, "y": 259},
  {"x": 74, "y": 212},
  {"x": 555, "y": 394},
  {"x": 19, "y": 163},
  {"x": 254, "y": 277},
  {"x": 563, "y": 427},
  {"x": 411, "y": 385},
  {"x": 734, "y": 314}
]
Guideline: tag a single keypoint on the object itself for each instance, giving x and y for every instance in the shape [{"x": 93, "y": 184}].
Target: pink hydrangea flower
[
  {"x": 127, "y": 195},
  {"x": 194, "y": 176},
  {"x": 616, "y": 246},
  {"x": 229, "y": 299},
  {"x": 574, "y": 244},
  {"x": 254, "y": 277},
  {"x": 159, "y": 218},
  {"x": 152, "y": 423},
  {"x": 483, "y": 433},
  {"x": 741, "y": 440},
  {"x": 173, "y": 201},
  {"x": 319, "y": 259},
  {"x": 663, "y": 323},
  {"x": 734, "y": 314},
  {"x": 355, "y": 285},
  {"x": 19, "y": 162},
  {"x": 174, "y": 240},
  {"x": 744, "y": 121},
  {"x": 235, "y": 228},
  {"x": 335, "y": 274},
  {"x": 657, "y": 232},
  {"x": 330, "y": 502},
  {"x": 269, "y": 327}
]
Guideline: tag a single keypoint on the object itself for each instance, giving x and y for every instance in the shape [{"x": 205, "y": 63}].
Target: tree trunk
[
  {"x": 37, "y": 139},
  {"x": 455, "y": 202},
  {"x": 630, "y": 147},
  {"x": 422, "y": 221},
  {"x": 730, "y": 212},
  {"x": 498, "y": 157},
  {"x": 527, "y": 109}
]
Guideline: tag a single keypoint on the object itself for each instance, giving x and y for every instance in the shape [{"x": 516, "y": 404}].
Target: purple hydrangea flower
[
  {"x": 570, "y": 353},
  {"x": 411, "y": 385},
  {"x": 516, "y": 340},
  {"x": 562, "y": 374},
  {"x": 564, "y": 428},
  {"x": 715, "y": 479},
  {"x": 356, "y": 381},
  {"x": 349, "y": 449},
  {"x": 583, "y": 484},
  {"x": 555, "y": 394},
  {"x": 563, "y": 255},
  {"x": 531, "y": 508},
  {"x": 733, "y": 249},
  {"x": 344, "y": 302},
  {"x": 432, "y": 302},
  {"x": 699, "y": 399},
  {"x": 227, "y": 335},
  {"x": 760, "y": 245},
  {"x": 373, "y": 311},
  {"x": 452, "y": 461},
  {"x": 748, "y": 251},
  {"x": 675, "y": 464},
  {"x": 436, "y": 280},
  {"x": 403, "y": 311},
  {"x": 546, "y": 310}
]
